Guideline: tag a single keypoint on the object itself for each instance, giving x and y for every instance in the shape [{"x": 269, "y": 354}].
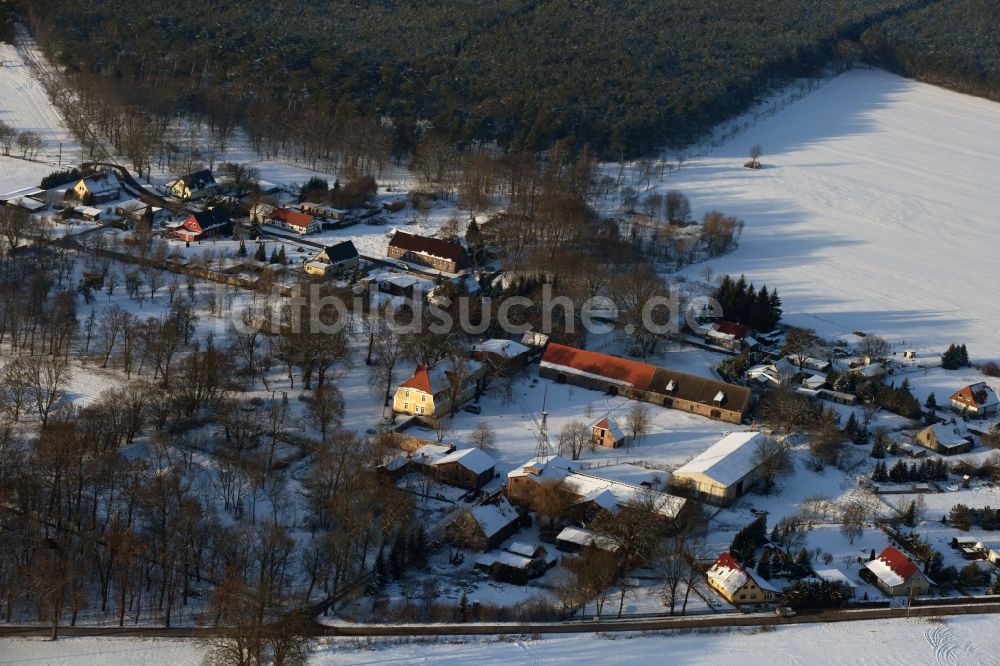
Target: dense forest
[
  {"x": 955, "y": 44},
  {"x": 622, "y": 77}
]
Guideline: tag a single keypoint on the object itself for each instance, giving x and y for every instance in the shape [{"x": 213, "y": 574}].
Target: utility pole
[{"x": 60, "y": 153}]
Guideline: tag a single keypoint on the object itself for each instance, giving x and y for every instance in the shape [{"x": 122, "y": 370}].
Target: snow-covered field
[
  {"x": 957, "y": 641},
  {"x": 876, "y": 210}
]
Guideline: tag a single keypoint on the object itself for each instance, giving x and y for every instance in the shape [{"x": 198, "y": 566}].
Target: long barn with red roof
[{"x": 641, "y": 381}]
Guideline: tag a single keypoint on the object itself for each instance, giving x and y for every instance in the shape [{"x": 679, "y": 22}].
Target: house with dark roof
[
  {"x": 433, "y": 389},
  {"x": 976, "y": 400},
  {"x": 740, "y": 585},
  {"x": 895, "y": 574},
  {"x": 99, "y": 186},
  {"x": 334, "y": 258},
  {"x": 641, "y": 381},
  {"x": 442, "y": 255},
  {"x": 204, "y": 224},
  {"x": 293, "y": 220},
  {"x": 194, "y": 185}
]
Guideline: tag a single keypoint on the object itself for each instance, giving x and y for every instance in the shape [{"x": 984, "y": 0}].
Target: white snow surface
[
  {"x": 875, "y": 210},
  {"x": 967, "y": 640}
]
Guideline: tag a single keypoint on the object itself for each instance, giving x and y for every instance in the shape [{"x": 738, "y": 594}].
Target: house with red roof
[
  {"x": 443, "y": 255},
  {"x": 433, "y": 389},
  {"x": 641, "y": 381},
  {"x": 976, "y": 400},
  {"x": 730, "y": 335},
  {"x": 204, "y": 224},
  {"x": 293, "y": 220},
  {"x": 740, "y": 585},
  {"x": 895, "y": 574}
]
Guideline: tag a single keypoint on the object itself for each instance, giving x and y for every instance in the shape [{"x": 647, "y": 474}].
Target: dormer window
[
  {"x": 720, "y": 398},
  {"x": 671, "y": 386}
]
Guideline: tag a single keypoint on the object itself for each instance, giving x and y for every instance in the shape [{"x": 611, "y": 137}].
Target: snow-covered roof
[
  {"x": 727, "y": 575},
  {"x": 892, "y": 567},
  {"x": 608, "y": 423},
  {"x": 523, "y": 549},
  {"x": 543, "y": 468},
  {"x": 431, "y": 454},
  {"x": 472, "y": 459},
  {"x": 583, "y": 537},
  {"x": 88, "y": 211},
  {"x": 950, "y": 433},
  {"x": 612, "y": 494},
  {"x": 728, "y": 460},
  {"x": 133, "y": 205},
  {"x": 503, "y": 557},
  {"x": 534, "y": 339},
  {"x": 436, "y": 378},
  {"x": 28, "y": 204},
  {"x": 500, "y": 347},
  {"x": 495, "y": 516},
  {"x": 834, "y": 576},
  {"x": 102, "y": 183}
]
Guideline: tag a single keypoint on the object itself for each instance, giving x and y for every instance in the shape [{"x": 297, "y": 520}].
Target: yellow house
[
  {"x": 99, "y": 186},
  {"x": 740, "y": 585},
  {"x": 429, "y": 392},
  {"x": 194, "y": 185}
]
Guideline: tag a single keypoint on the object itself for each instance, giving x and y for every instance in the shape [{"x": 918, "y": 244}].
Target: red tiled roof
[
  {"x": 292, "y": 217},
  {"x": 424, "y": 245},
  {"x": 898, "y": 562},
  {"x": 638, "y": 375},
  {"x": 738, "y": 331},
  {"x": 726, "y": 561},
  {"x": 419, "y": 381}
]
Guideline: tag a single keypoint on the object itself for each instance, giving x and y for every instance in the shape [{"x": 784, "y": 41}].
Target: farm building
[
  {"x": 641, "y": 381},
  {"x": 465, "y": 468},
  {"x": 740, "y": 585},
  {"x": 293, "y": 220},
  {"x": 725, "y": 470},
  {"x": 606, "y": 432},
  {"x": 500, "y": 353},
  {"x": 574, "y": 539},
  {"x": 484, "y": 526},
  {"x": 895, "y": 574},
  {"x": 440, "y": 254}
]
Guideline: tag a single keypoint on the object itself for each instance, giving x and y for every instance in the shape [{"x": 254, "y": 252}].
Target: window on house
[
  {"x": 406, "y": 393},
  {"x": 767, "y": 596},
  {"x": 406, "y": 406},
  {"x": 423, "y": 398},
  {"x": 743, "y": 596}
]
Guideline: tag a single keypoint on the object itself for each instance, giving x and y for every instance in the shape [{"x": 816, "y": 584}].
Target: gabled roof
[
  {"x": 436, "y": 378},
  {"x": 730, "y": 576},
  {"x": 700, "y": 389},
  {"x": 472, "y": 459},
  {"x": 102, "y": 183},
  {"x": 211, "y": 217},
  {"x": 495, "y": 516},
  {"x": 728, "y": 460},
  {"x": 978, "y": 395},
  {"x": 612, "y": 494},
  {"x": 198, "y": 180},
  {"x": 293, "y": 217},
  {"x": 950, "y": 433},
  {"x": 344, "y": 251},
  {"x": 543, "y": 468},
  {"x": 608, "y": 423},
  {"x": 425, "y": 245},
  {"x": 583, "y": 537},
  {"x": 500, "y": 347},
  {"x": 892, "y": 567},
  {"x": 597, "y": 365},
  {"x": 728, "y": 330}
]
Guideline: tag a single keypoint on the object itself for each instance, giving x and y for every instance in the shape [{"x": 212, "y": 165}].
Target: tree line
[{"x": 625, "y": 79}]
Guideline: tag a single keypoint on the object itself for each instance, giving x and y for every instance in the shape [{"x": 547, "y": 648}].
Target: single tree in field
[
  {"x": 638, "y": 421},
  {"x": 756, "y": 151}
]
